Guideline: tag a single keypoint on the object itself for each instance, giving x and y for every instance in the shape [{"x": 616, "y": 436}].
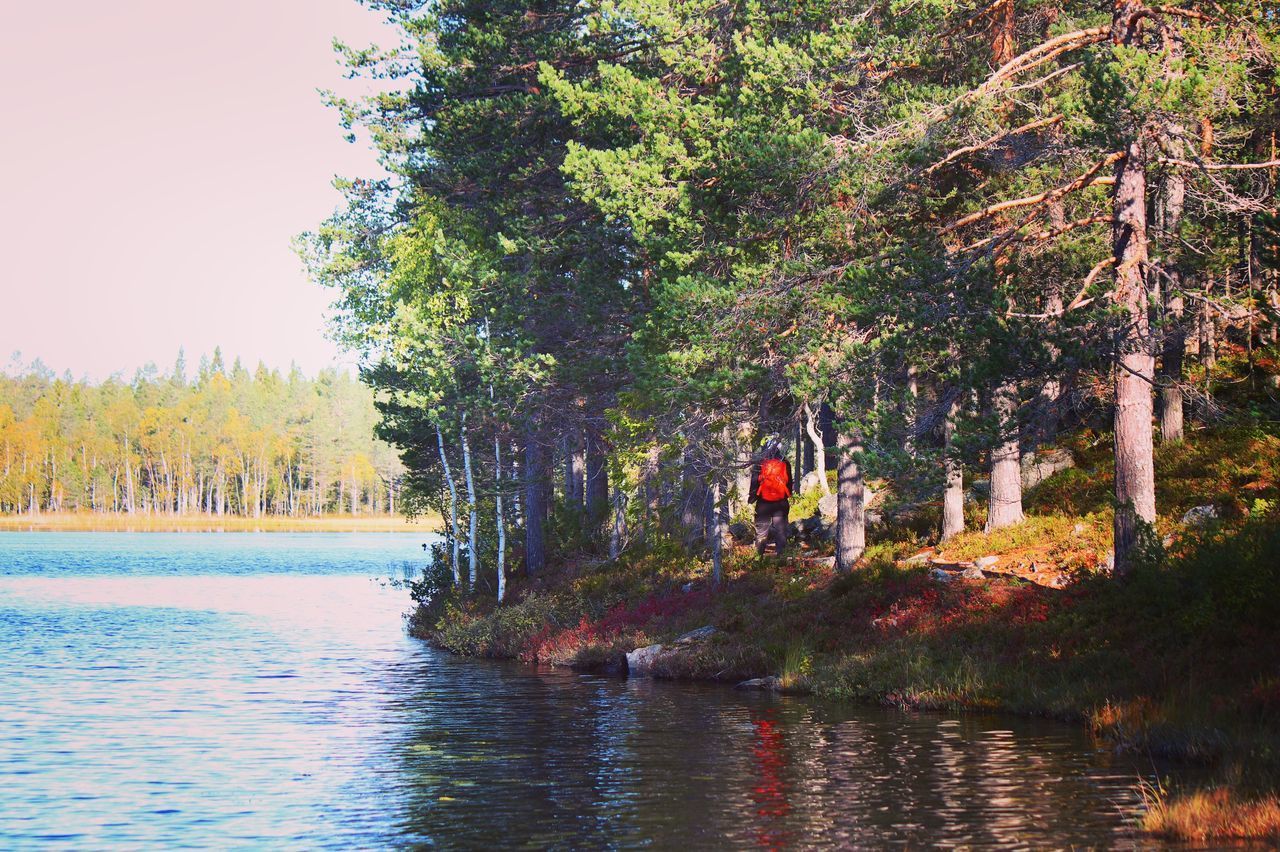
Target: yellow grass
[
  {"x": 93, "y": 522},
  {"x": 1217, "y": 814}
]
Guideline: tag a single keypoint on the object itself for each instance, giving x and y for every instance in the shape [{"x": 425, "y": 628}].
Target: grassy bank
[
  {"x": 1182, "y": 659},
  {"x": 99, "y": 522}
]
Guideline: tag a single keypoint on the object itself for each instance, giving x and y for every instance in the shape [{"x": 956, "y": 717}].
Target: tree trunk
[
  {"x": 1172, "y": 356},
  {"x": 619, "y": 528},
  {"x": 535, "y": 545},
  {"x": 1169, "y": 207},
  {"x": 719, "y": 528},
  {"x": 693, "y": 503},
  {"x": 820, "y": 450},
  {"x": 453, "y": 510},
  {"x": 1004, "y": 508},
  {"x": 1135, "y": 370},
  {"x": 953, "y": 471},
  {"x": 742, "y": 466},
  {"x": 574, "y": 468},
  {"x": 851, "y": 521},
  {"x": 597, "y": 486},
  {"x": 472, "y": 555},
  {"x": 499, "y": 519}
]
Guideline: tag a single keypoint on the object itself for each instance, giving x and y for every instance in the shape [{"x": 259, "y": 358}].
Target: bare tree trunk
[
  {"x": 742, "y": 469},
  {"x": 618, "y": 530},
  {"x": 535, "y": 544},
  {"x": 499, "y": 519},
  {"x": 1170, "y": 203},
  {"x": 953, "y": 490},
  {"x": 719, "y": 528},
  {"x": 1005, "y": 505},
  {"x": 1172, "y": 429},
  {"x": 1135, "y": 371},
  {"x": 472, "y": 556},
  {"x": 851, "y": 520},
  {"x": 453, "y": 510},
  {"x": 574, "y": 469},
  {"x": 820, "y": 451}
]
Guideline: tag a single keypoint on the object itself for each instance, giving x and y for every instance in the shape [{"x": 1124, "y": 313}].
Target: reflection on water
[{"x": 214, "y": 707}]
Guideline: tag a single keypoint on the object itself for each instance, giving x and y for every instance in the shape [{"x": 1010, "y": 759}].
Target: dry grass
[
  {"x": 93, "y": 522},
  {"x": 1216, "y": 814}
]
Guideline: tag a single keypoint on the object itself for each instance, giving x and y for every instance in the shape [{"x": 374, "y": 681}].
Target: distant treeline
[{"x": 227, "y": 442}]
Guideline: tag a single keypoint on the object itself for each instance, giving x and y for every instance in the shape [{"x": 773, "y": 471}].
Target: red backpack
[{"x": 773, "y": 481}]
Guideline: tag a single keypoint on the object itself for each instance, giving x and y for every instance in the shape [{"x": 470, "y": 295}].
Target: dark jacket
[{"x": 755, "y": 485}]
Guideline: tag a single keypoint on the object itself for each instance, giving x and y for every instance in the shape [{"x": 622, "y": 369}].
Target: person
[{"x": 771, "y": 489}]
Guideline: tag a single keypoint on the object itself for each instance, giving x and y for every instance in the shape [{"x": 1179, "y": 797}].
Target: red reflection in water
[{"x": 769, "y": 792}]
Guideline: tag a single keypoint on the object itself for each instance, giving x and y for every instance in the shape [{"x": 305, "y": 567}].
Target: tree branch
[
  {"x": 1085, "y": 181},
  {"x": 1216, "y": 167},
  {"x": 987, "y": 143}
]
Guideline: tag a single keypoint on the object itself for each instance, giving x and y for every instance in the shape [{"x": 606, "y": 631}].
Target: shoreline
[
  {"x": 1140, "y": 664},
  {"x": 89, "y": 522}
]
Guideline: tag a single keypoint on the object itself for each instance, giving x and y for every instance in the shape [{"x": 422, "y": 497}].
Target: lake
[{"x": 258, "y": 690}]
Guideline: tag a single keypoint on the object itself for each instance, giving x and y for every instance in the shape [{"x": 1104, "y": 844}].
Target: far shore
[{"x": 102, "y": 522}]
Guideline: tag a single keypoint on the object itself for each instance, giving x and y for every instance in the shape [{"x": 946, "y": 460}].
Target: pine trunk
[
  {"x": 953, "y": 488},
  {"x": 1135, "y": 369},
  {"x": 597, "y": 486},
  {"x": 851, "y": 522},
  {"x": 820, "y": 451},
  {"x": 1004, "y": 508},
  {"x": 535, "y": 545}
]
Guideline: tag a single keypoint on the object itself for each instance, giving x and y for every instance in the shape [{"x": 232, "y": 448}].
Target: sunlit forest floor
[
  {"x": 1182, "y": 659},
  {"x": 103, "y": 522}
]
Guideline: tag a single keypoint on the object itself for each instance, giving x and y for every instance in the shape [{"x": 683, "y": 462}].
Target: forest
[
  {"x": 1001, "y": 274},
  {"x": 227, "y": 442}
]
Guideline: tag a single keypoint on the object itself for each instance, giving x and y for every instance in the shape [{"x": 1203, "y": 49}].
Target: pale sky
[{"x": 157, "y": 157}]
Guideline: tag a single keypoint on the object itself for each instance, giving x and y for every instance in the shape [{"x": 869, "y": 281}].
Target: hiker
[{"x": 770, "y": 490}]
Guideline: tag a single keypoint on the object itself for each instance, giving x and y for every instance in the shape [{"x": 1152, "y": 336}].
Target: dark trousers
[{"x": 772, "y": 518}]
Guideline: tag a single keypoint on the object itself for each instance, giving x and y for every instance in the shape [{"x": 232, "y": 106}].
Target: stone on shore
[
  {"x": 695, "y": 635},
  {"x": 640, "y": 661},
  {"x": 761, "y": 684}
]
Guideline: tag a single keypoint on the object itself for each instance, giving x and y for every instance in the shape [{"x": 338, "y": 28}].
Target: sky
[{"x": 158, "y": 157}]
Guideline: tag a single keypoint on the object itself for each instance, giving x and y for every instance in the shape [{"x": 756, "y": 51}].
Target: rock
[
  {"x": 742, "y": 533},
  {"x": 1059, "y": 581},
  {"x": 1108, "y": 562},
  {"x": 687, "y": 588},
  {"x": 1039, "y": 466},
  {"x": 762, "y": 684},
  {"x": 986, "y": 561},
  {"x": 1078, "y": 528},
  {"x": 810, "y": 483},
  {"x": 1198, "y": 516},
  {"x": 828, "y": 562},
  {"x": 810, "y": 525},
  {"x": 1274, "y": 381},
  {"x": 695, "y": 635},
  {"x": 973, "y": 574},
  {"x": 918, "y": 559},
  {"x": 827, "y": 508},
  {"x": 940, "y": 575},
  {"x": 640, "y": 661}
]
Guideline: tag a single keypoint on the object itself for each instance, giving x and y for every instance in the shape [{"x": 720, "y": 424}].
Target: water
[{"x": 257, "y": 690}]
